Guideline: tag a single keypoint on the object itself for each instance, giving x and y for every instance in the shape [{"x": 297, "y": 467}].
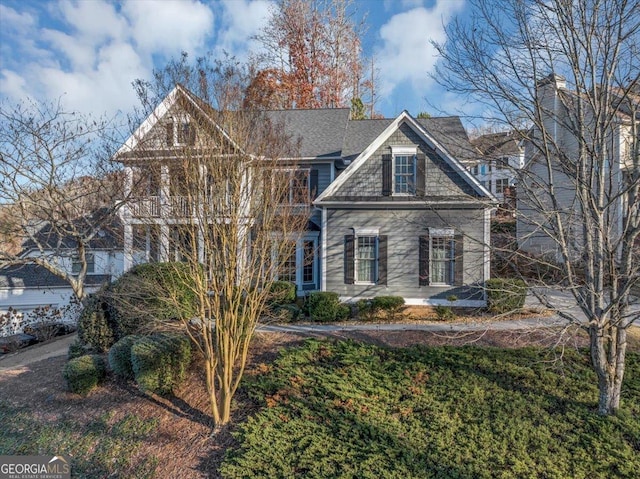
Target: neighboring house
[
  {"x": 502, "y": 155},
  {"x": 394, "y": 212},
  {"x": 25, "y": 287},
  {"x": 558, "y": 107}
]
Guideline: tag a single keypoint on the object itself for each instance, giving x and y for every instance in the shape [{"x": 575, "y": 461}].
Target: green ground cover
[{"x": 345, "y": 409}]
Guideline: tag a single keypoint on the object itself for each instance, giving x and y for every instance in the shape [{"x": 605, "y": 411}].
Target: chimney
[{"x": 557, "y": 81}]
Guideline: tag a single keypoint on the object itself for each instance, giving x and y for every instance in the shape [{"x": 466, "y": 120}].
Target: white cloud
[
  {"x": 407, "y": 56},
  {"x": 242, "y": 20},
  {"x": 169, "y": 26}
]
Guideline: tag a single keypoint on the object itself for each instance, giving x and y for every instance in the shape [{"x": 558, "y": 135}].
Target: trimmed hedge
[
  {"x": 286, "y": 312},
  {"x": 505, "y": 294},
  {"x": 147, "y": 293},
  {"x": 94, "y": 329},
  {"x": 160, "y": 362},
  {"x": 282, "y": 292},
  {"x": 84, "y": 373},
  {"x": 77, "y": 349},
  {"x": 323, "y": 306},
  {"x": 120, "y": 357}
]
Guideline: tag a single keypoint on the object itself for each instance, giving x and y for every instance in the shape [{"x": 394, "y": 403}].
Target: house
[
  {"x": 501, "y": 156},
  {"x": 392, "y": 209},
  {"x": 558, "y": 107},
  {"x": 26, "y": 286}
]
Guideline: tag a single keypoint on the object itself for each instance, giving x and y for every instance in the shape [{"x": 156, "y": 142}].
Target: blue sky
[{"x": 88, "y": 52}]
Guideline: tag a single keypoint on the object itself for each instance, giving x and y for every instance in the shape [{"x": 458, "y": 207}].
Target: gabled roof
[
  {"x": 35, "y": 276},
  {"x": 320, "y": 132},
  {"x": 108, "y": 237},
  {"x": 174, "y": 96},
  {"x": 378, "y": 141}
]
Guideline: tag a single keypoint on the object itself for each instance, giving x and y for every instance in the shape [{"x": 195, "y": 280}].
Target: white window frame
[
  {"x": 366, "y": 233},
  {"x": 177, "y": 122},
  {"x": 448, "y": 235},
  {"x": 76, "y": 265},
  {"x": 409, "y": 152},
  {"x": 292, "y": 177},
  {"x": 504, "y": 182}
]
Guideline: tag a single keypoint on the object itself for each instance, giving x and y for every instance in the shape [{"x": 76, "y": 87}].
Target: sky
[{"x": 88, "y": 52}]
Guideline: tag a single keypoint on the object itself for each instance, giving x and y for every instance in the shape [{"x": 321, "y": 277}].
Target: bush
[
  {"x": 504, "y": 295},
  {"x": 160, "y": 362},
  {"x": 444, "y": 313},
  {"x": 390, "y": 305},
  {"x": 120, "y": 357},
  {"x": 323, "y": 306},
  {"x": 84, "y": 373},
  {"x": 287, "y": 312},
  {"x": 77, "y": 349},
  {"x": 93, "y": 327},
  {"x": 344, "y": 312},
  {"x": 147, "y": 293},
  {"x": 282, "y": 292}
]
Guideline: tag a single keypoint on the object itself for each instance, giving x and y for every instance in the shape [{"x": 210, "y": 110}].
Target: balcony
[{"x": 148, "y": 207}]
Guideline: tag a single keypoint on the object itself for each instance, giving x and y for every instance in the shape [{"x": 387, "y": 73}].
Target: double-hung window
[
  {"x": 441, "y": 258},
  {"x": 403, "y": 172},
  {"x": 180, "y": 132},
  {"x": 366, "y": 257},
  {"x": 296, "y": 190},
  {"x": 76, "y": 264}
]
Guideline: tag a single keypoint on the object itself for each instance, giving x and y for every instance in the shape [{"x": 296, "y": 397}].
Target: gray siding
[
  {"x": 403, "y": 229},
  {"x": 441, "y": 179}
]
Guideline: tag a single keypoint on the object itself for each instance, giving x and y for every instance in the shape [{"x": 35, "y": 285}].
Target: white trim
[
  {"x": 323, "y": 250},
  {"x": 366, "y": 231},
  {"x": 487, "y": 248},
  {"x": 426, "y": 137},
  {"x": 404, "y": 150},
  {"x": 462, "y": 303},
  {"x": 441, "y": 232}
]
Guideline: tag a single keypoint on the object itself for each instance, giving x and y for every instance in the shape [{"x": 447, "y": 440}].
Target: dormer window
[{"x": 180, "y": 132}]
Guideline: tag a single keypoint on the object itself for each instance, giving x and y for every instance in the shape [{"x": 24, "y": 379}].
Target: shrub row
[
  {"x": 389, "y": 306},
  {"x": 324, "y": 307}
]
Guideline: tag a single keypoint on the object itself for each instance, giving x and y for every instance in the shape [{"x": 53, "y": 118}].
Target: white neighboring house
[
  {"x": 502, "y": 155},
  {"x": 26, "y": 287}
]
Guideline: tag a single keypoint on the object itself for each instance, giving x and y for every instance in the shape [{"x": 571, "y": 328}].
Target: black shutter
[
  {"x": 313, "y": 184},
  {"x": 458, "y": 269},
  {"x": 169, "y": 130},
  {"x": 423, "y": 261},
  {"x": 386, "y": 175},
  {"x": 382, "y": 260},
  {"x": 349, "y": 247},
  {"x": 420, "y": 174}
]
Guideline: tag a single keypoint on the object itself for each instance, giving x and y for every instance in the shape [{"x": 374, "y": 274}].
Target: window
[
  {"x": 308, "y": 267},
  {"x": 404, "y": 174},
  {"x": 76, "y": 264},
  {"x": 365, "y": 257},
  {"x": 287, "y": 269},
  {"x": 180, "y": 131},
  {"x": 501, "y": 185},
  {"x": 297, "y": 190},
  {"x": 440, "y": 258}
]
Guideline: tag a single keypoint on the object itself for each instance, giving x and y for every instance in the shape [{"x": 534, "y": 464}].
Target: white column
[{"x": 128, "y": 246}]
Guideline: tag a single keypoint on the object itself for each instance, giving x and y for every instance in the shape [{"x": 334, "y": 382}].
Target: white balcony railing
[{"x": 148, "y": 207}]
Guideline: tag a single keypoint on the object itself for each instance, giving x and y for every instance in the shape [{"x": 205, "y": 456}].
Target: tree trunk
[{"x": 608, "y": 350}]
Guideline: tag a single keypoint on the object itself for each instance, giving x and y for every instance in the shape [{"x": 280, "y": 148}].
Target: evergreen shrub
[
  {"x": 120, "y": 357},
  {"x": 505, "y": 294},
  {"x": 160, "y": 362},
  {"x": 84, "y": 373}
]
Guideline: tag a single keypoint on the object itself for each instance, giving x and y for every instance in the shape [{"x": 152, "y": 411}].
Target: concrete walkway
[{"x": 24, "y": 357}]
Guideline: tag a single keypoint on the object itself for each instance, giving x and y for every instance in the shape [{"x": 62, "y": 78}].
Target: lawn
[
  {"x": 347, "y": 409},
  {"x": 386, "y": 405}
]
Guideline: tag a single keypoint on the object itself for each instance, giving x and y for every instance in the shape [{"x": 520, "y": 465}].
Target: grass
[
  {"x": 103, "y": 447},
  {"x": 346, "y": 409}
]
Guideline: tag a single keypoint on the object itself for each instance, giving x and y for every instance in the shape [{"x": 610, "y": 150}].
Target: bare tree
[
  {"x": 569, "y": 71},
  {"x": 228, "y": 216},
  {"x": 59, "y": 192}
]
